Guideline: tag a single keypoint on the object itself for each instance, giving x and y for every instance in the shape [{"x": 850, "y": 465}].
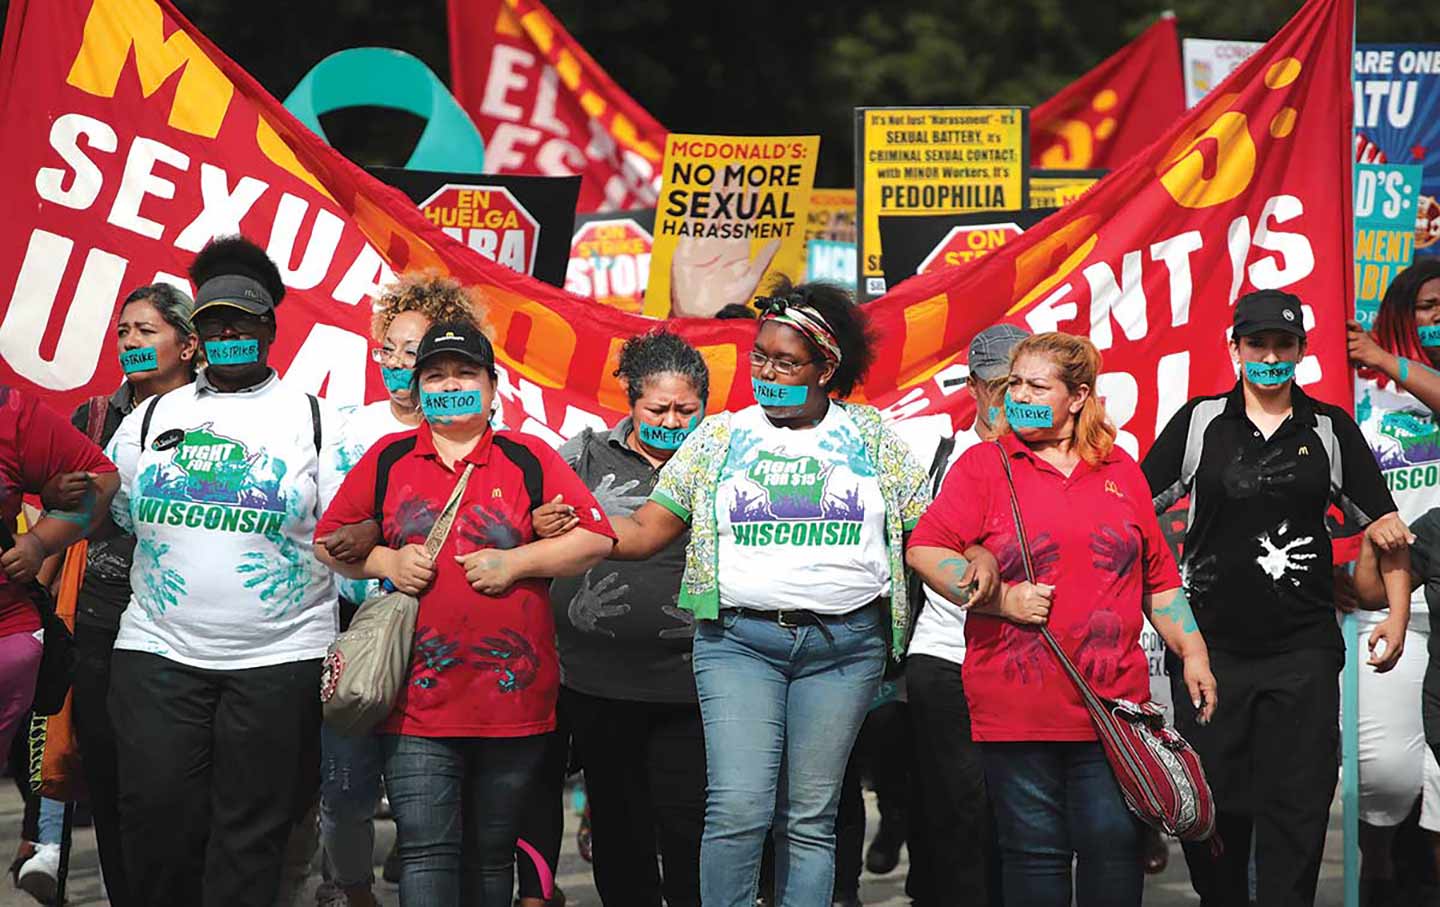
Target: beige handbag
[{"x": 368, "y": 663}]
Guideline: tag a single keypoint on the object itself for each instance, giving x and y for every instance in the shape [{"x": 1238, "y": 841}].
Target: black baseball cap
[
  {"x": 236, "y": 291},
  {"x": 1268, "y": 310},
  {"x": 456, "y": 338}
]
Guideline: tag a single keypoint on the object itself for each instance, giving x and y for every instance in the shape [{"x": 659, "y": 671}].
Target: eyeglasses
[
  {"x": 787, "y": 367},
  {"x": 405, "y": 357}
]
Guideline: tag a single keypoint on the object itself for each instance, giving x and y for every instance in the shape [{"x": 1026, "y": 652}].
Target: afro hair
[{"x": 237, "y": 255}]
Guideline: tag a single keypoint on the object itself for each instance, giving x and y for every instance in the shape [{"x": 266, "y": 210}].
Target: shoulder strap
[
  {"x": 387, "y": 460},
  {"x": 937, "y": 468},
  {"x": 95, "y": 413},
  {"x": 529, "y": 465},
  {"x": 145, "y": 420},
  {"x": 315, "y": 422},
  {"x": 1086, "y": 692},
  {"x": 436, "y": 539}
]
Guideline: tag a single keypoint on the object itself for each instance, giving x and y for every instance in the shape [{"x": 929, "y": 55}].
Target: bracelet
[{"x": 1404, "y": 369}]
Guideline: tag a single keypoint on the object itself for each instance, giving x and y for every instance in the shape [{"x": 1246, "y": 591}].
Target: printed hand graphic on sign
[
  {"x": 592, "y": 602},
  {"x": 707, "y": 274}
]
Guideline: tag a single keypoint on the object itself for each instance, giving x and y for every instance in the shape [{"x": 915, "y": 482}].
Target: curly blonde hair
[{"x": 432, "y": 294}]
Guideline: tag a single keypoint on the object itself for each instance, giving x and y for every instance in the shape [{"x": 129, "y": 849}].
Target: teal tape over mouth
[
  {"x": 142, "y": 360},
  {"x": 232, "y": 352},
  {"x": 768, "y": 393},
  {"x": 1028, "y": 415},
  {"x": 662, "y": 438},
  {"x": 1268, "y": 374},
  {"x": 397, "y": 380},
  {"x": 443, "y": 407},
  {"x": 1430, "y": 335}
]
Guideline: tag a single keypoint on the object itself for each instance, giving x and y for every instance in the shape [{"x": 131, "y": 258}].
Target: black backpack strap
[
  {"x": 387, "y": 459},
  {"x": 529, "y": 465},
  {"x": 937, "y": 468},
  {"x": 315, "y": 422},
  {"x": 145, "y": 420}
]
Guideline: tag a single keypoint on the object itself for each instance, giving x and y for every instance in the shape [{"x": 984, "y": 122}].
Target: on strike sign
[
  {"x": 965, "y": 244},
  {"x": 610, "y": 262}
]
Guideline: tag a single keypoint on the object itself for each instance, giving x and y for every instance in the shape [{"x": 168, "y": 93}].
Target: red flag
[
  {"x": 1249, "y": 190},
  {"x": 545, "y": 106},
  {"x": 130, "y": 140},
  {"x": 1116, "y": 109}
]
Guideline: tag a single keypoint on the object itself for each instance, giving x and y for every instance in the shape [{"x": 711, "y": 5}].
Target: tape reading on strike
[
  {"x": 1028, "y": 415},
  {"x": 1269, "y": 374},
  {"x": 768, "y": 393},
  {"x": 143, "y": 359},
  {"x": 232, "y": 352},
  {"x": 397, "y": 379},
  {"x": 662, "y": 438},
  {"x": 443, "y": 407},
  {"x": 1430, "y": 335}
]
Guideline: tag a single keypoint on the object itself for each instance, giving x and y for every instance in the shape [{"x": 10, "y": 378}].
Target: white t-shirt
[
  {"x": 1403, "y": 435},
  {"x": 940, "y": 627},
  {"x": 223, "y": 500},
  {"x": 800, "y": 517},
  {"x": 371, "y": 422}
]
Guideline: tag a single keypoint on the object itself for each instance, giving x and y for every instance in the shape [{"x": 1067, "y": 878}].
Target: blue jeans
[
  {"x": 52, "y": 821},
  {"x": 349, "y": 789},
  {"x": 1055, "y": 802},
  {"x": 781, "y": 708},
  {"x": 457, "y": 805}
]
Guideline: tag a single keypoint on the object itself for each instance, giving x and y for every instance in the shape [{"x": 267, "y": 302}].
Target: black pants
[
  {"x": 96, "y": 737},
  {"x": 213, "y": 768},
  {"x": 645, "y": 777},
  {"x": 542, "y": 822},
  {"x": 1272, "y": 757},
  {"x": 953, "y": 856}
]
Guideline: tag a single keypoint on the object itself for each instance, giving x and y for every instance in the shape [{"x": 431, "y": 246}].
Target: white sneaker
[{"x": 37, "y": 875}]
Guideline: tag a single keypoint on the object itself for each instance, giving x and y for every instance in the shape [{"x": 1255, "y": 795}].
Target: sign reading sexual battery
[{"x": 934, "y": 160}]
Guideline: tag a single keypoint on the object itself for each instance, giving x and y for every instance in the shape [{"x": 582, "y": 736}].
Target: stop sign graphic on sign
[
  {"x": 610, "y": 263},
  {"x": 967, "y": 243},
  {"x": 489, "y": 220}
]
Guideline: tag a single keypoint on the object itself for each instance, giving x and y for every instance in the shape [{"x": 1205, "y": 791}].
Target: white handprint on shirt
[
  {"x": 1279, "y": 563},
  {"x": 591, "y": 603},
  {"x": 617, "y": 500}
]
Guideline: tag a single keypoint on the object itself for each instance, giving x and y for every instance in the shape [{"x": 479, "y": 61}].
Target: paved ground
[{"x": 1171, "y": 888}]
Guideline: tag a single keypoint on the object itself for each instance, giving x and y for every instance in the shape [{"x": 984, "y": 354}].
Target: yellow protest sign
[
  {"x": 934, "y": 160},
  {"x": 733, "y": 212},
  {"x": 1058, "y": 188},
  {"x": 832, "y": 215}
]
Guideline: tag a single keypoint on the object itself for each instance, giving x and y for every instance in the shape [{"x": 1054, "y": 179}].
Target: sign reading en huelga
[
  {"x": 610, "y": 257},
  {"x": 912, "y": 161},
  {"x": 919, "y": 245},
  {"x": 732, "y": 212},
  {"x": 521, "y": 222}
]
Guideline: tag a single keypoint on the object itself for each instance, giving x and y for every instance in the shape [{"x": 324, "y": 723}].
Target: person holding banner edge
[
  {"x": 1261, "y": 464},
  {"x": 1397, "y": 395},
  {"x": 788, "y": 652},
  {"x": 1055, "y": 796}
]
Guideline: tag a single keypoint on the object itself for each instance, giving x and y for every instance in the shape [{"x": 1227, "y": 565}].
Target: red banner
[
  {"x": 544, "y": 106},
  {"x": 1115, "y": 110},
  {"x": 130, "y": 140}
]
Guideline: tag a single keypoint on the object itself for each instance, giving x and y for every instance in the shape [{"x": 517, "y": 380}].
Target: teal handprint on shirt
[
  {"x": 280, "y": 578},
  {"x": 160, "y": 588}
]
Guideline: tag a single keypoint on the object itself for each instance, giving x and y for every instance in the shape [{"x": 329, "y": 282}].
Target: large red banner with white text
[
  {"x": 130, "y": 140},
  {"x": 544, "y": 106}
]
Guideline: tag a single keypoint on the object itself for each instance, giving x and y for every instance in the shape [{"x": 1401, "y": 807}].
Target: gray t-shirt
[{"x": 618, "y": 628}]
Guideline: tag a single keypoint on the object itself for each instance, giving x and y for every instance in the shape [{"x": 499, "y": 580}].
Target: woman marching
[
  {"x": 464, "y": 740},
  {"x": 1397, "y": 398},
  {"x": 157, "y": 347},
  {"x": 627, "y": 690},
  {"x": 797, "y": 509},
  {"x": 1055, "y": 798},
  {"x": 213, "y": 678},
  {"x": 1261, "y": 465}
]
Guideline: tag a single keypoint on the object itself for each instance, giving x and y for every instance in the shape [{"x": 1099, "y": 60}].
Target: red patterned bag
[{"x": 1158, "y": 772}]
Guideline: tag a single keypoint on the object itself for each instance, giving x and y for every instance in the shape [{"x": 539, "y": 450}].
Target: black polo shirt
[{"x": 1257, "y": 563}]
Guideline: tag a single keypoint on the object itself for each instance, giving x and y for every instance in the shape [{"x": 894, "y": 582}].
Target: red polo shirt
[
  {"x": 36, "y": 443},
  {"x": 1095, "y": 538},
  {"x": 483, "y": 666}
]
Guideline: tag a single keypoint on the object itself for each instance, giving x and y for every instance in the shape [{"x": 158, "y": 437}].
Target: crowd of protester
[{"x": 701, "y": 611}]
